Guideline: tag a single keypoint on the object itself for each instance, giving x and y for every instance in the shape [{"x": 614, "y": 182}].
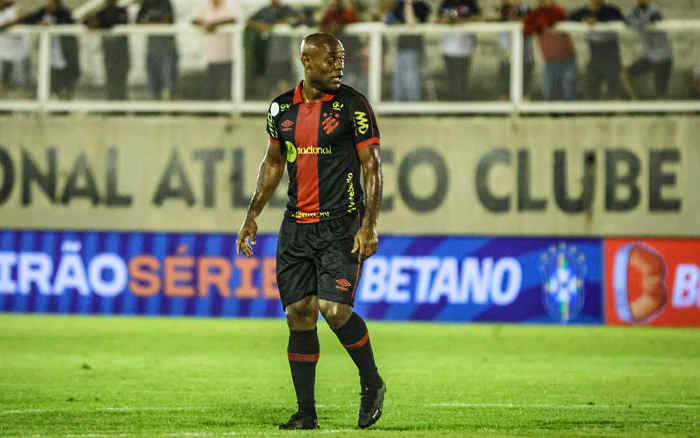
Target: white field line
[
  {"x": 181, "y": 434},
  {"x": 429, "y": 405},
  {"x": 109, "y": 409},
  {"x": 560, "y": 406}
]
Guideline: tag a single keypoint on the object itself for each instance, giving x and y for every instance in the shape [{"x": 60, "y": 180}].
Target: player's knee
[
  {"x": 302, "y": 315},
  {"x": 336, "y": 314}
]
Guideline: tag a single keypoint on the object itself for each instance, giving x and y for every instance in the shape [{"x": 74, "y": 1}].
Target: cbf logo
[{"x": 563, "y": 270}]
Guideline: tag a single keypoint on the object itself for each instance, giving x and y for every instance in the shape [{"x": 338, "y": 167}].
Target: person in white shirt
[
  {"x": 218, "y": 48},
  {"x": 457, "y": 48},
  {"x": 14, "y": 51}
]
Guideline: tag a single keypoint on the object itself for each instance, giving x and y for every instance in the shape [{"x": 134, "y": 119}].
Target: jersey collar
[{"x": 299, "y": 98}]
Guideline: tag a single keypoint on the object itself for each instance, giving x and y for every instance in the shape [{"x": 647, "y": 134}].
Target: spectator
[
  {"x": 604, "y": 66},
  {"x": 514, "y": 10},
  {"x": 381, "y": 10},
  {"x": 218, "y": 49},
  {"x": 278, "y": 59},
  {"x": 161, "y": 50},
  {"x": 65, "y": 62},
  {"x": 115, "y": 48},
  {"x": 658, "y": 54},
  {"x": 457, "y": 48},
  {"x": 334, "y": 20},
  {"x": 14, "y": 50},
  {"x": 406, "y": 82},
  {"x": 557, "y": 50}
]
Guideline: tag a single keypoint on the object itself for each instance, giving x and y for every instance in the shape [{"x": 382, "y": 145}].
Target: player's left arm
[{"x": 366, "y": 238}]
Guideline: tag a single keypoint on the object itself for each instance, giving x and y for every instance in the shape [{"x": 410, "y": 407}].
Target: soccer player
[{"x": 325, "y": 133}]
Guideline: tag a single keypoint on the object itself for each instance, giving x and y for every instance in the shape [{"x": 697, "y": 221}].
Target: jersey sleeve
[
  {"x": 271, "y": 126},
  {"x": 365, "y": 131}
]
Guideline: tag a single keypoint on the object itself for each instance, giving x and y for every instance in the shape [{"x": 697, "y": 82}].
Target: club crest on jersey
[
  {"x": 563, "y": 269},
  {"x": 361, "y": 122},
  {"x": 330, "y": 122},
  {"x": 287, "y": 125}
]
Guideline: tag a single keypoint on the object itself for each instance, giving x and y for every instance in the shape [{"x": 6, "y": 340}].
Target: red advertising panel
[{"x": 652, "y": 282}]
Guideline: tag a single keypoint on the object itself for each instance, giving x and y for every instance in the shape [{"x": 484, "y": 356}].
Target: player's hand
[
  {"x": 249, "y": 229},
  {"x": 366, "y": 241}
]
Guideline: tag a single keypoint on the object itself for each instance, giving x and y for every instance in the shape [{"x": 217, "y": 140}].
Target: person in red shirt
[
  {"x": 560, "y": 72},
  {"x": 337, "y": 16}
]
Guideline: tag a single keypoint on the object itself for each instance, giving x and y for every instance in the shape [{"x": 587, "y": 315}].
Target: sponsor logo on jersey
[
  {"x": 351, "y": 193},
  {"x": 330, "y": 123},
  {"x": 271, "y": 126},
  {"x": 287, "y": 125},
  {"x": 563, "y": 269},
  {"x": 310, "y": 214},
  {"x": 291, "y": 151},
  {"x": 361, "y": 122},
  {"x": 294, "y": 151}
]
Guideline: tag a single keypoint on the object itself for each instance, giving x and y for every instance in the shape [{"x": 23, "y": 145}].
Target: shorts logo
[
  {"x": 287, "y": 125},
  {"x": 343, "y": 284},
  {"x": 563, "y": 270},
  {"x": 291, "y": 151},
  {"x": 361, "y": 122},
  {"x": 639, "y": 283},
  {"x": 330, "y": 122}
]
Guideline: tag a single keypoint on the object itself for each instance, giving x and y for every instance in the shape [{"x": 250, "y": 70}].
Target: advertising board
[
  {"x": 652, "y": 282},
  {"x": 457, "y": 279}
]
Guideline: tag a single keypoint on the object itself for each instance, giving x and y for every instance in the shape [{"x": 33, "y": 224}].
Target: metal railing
[{"x": 375, "y": 32}]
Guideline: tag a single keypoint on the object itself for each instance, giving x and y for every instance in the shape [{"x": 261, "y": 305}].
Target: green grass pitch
[{"x": 96, "y": 377}]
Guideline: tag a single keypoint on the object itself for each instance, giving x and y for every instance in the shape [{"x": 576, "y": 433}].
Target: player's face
[{"x": 326, "y": 68}]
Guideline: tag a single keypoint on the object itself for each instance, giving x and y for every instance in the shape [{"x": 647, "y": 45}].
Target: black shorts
[{"x": 316, "y": 259}]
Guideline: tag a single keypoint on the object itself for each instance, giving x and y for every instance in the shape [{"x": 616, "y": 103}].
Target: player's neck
[{"x": 310, "y": 93}]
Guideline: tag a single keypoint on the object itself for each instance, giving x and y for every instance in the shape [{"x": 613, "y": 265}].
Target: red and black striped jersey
[{"x": 321, "y": 141}]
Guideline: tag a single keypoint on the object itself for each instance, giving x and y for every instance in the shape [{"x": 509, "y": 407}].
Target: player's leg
[
  {"x": 303, "y": 352},
  {"x": 296, "y": 278},
  {"x": 338, "y": 275}
]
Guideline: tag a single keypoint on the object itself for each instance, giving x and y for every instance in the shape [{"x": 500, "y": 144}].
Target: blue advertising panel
[
  {"x": 460, "y": 279},
  {"x": 136, "y": 274}
]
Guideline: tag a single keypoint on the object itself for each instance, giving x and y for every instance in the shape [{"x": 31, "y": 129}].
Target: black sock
[
  {"x": 303, "y": 351},
  {"x": 355, "y": 338}
]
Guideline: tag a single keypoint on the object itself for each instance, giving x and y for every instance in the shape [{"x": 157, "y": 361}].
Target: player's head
[{"x": 323, "y": 58}]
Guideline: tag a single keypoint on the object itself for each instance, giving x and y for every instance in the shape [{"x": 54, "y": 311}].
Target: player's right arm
[{"x": 269, "y": 175}]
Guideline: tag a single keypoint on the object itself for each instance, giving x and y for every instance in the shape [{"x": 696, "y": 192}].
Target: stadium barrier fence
[{"x": 375, "y": 33}]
